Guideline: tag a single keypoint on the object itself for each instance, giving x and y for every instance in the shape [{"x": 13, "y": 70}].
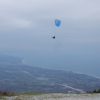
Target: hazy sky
[{"x": 27, "y": 27}]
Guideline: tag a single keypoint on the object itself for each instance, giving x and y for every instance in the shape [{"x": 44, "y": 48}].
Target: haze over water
[
  {"x": 27, "y": 28},
  {"x": 80, "y": 61}
]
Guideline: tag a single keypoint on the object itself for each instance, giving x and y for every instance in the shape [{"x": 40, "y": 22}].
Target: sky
[{"x": 27, "y": 27}]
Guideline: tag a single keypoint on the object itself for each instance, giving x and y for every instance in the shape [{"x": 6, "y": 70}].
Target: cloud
[
  {"x": 51, "y": 8},
  {"x": 20, "y": 23},
  {"x": 38, "y": 16},
  {"x": 78, "y": 17}
]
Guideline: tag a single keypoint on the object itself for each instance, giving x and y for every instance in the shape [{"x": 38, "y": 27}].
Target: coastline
[
  {"x": 59, "y": 69},
  {"x": 23, "y": 61},
  {"x": 51, "y": 79}
]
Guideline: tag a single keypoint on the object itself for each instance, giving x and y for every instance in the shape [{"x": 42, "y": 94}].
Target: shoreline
[{"x": 59, "y": 69}]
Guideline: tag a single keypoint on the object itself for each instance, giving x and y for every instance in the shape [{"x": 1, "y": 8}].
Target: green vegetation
[{"x": 94, "y": 91}]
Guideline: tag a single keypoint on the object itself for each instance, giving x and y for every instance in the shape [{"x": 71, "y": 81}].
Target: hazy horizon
[{"x": 27, "y": 27}]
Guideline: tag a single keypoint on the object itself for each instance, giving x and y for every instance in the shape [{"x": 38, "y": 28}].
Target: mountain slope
[
  {"x": 55, "y": 96},
  {"x": 18, "y": 77}
]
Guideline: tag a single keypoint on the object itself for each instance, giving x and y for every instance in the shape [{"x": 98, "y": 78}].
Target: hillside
[
  {"x": 54, "y": 96},
  {"x": 18, "y": 77}
]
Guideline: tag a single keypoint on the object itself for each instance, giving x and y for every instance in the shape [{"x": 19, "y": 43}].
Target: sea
[{"x": 82, "y": 65}]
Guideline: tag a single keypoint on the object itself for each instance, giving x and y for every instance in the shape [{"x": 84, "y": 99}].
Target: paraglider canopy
[{"x": 57, "y": 22}]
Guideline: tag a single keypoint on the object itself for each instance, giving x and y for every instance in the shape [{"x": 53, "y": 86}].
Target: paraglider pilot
[{"x": 53, "y": 37}]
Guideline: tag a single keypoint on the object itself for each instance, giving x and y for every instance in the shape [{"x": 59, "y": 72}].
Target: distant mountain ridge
[{"x": 18, "y": 77}]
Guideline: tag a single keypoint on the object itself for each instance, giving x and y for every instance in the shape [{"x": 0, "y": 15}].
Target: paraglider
[
  {"x": 53, "y": 37},
  {"x": 57, "y": 23}
]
